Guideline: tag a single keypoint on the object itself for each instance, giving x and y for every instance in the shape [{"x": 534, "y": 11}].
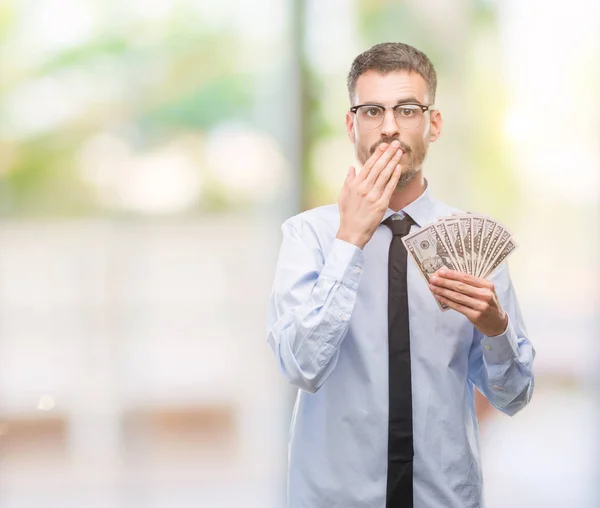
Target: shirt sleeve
[
  {"x": 502, "y": 366},
  {"x": 310, "y": 305}
]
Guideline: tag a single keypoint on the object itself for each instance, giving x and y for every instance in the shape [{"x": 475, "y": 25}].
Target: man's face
[{"x": 388, "y": 90}]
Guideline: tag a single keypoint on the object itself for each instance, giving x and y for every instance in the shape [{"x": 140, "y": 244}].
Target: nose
[{"x": 389, "y": 127}]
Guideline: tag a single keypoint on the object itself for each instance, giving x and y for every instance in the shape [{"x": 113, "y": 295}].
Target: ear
[
  {"x": 435, "y": 128},
  {"x": 350, "y": 126}
]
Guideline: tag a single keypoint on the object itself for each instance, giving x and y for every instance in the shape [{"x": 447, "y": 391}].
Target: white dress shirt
[{"x": 328, "y": 328}]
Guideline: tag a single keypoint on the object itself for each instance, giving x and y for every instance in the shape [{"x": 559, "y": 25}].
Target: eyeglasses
[{"x": 408, "y": 115}]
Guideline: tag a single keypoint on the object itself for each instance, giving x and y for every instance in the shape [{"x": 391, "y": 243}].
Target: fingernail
[
  {"x": 383, "y": 146},
  {"x": 442, "y": 272},
  {"x": 396, "y": 144},
  {"x": 433, "y": 278}
]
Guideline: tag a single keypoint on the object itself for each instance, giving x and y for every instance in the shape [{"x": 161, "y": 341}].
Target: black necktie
[{"x": 400, "y": 439}]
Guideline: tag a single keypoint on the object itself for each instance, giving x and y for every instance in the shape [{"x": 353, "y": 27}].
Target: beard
[{"x": 416, "y": 155}]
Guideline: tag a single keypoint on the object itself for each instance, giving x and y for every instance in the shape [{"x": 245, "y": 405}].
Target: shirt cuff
[
  {"x": 344, "y": 263},
  {"x": 501, "y": 348}
]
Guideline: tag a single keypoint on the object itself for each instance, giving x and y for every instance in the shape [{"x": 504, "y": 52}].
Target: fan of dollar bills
[{"x": 466, "y": 243}]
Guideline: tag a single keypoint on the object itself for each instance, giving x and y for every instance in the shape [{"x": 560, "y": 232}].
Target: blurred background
[{"x": 150, "y": 150}]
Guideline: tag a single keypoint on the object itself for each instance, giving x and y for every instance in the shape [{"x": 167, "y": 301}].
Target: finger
[
  {"x": 466, "y": 278},
  {"x": 366, "y": 169},
  {"x": 385, "y": 175},
  {"x": 460, "y": 287},
  {"x": 465, "y": 311},
  {"x": 464, "y": 300},
  {"x": 382, "y": 162},
  {"x": 392, "y": 184},
  {"x": 350, "y": 176}
]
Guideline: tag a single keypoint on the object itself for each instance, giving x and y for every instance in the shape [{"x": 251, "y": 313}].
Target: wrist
[
  {"x": 501, "y": 329},
  {"x": 354, "y": 239}
]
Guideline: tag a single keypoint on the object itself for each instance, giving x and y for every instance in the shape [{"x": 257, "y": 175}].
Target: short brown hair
[{"x": 393, "y": 56}]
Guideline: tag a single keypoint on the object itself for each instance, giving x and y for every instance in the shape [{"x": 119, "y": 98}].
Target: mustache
[{"x": 404, "y": 146}]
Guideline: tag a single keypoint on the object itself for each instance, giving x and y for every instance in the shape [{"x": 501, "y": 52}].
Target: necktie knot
[{"x": 399, "y": 226}]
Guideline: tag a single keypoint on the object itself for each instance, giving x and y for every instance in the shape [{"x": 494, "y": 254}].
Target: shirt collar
[{"x": 421, "y": 210}]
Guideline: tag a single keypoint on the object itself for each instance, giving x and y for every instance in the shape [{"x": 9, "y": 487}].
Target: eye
[
  {"x": 407, "y": 111},
  {"x": 372, "y": 112}
]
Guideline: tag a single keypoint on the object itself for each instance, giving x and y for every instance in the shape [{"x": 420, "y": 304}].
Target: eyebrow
[{"x": 409, "y": 100}]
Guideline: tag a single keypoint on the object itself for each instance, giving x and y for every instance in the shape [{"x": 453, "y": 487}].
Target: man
[{"x": 385, "y": 415}]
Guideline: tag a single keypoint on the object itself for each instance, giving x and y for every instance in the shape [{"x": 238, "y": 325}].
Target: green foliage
[
  {"x": 223, "y": 98},
  {"x": 46, "y": 181},
  {"x": 171, "y": 76}
]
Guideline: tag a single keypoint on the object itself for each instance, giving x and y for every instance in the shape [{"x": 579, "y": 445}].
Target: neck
[{"x": 406, "y": 195}]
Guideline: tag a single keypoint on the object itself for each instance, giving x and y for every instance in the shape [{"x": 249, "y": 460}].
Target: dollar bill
[
  {"x": 429, "y": 253},
  {"x": 453, "y": 228},
  {"x": 486, "y": 235},
  {"x": 496, "y": 248},
  {"x": 465, "y": 223},
  {"x": 508, "y": 248},
  {"x": 467, "y": 239},
  {"x": 476, "y": 245},
  {"x": 446, "y": 240}
]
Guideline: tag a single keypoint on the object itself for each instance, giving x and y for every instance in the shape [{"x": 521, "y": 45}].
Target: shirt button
[
  {"x": 344, "y": 316},
  {"x": 357, "y": 269},
  {"x": 488, "y": 347},
  {"x": 496, "y": 387}
]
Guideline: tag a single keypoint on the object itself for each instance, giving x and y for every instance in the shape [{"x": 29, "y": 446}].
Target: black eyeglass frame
[{"x": 423, "y": 107}]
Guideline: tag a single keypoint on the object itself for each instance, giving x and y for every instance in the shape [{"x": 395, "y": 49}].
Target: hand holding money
[
  {"x": 365, "y": 197},
  {"x": 473, "y": 297},
  {"x": 467, "y": 244}
]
